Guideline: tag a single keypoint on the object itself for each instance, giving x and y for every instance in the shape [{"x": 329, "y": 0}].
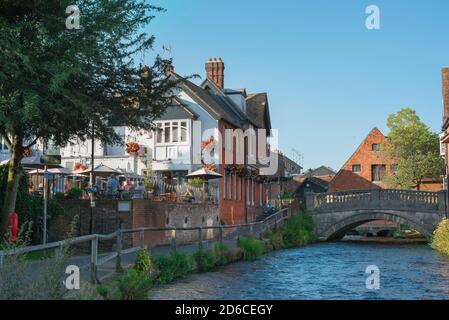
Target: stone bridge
[{"x": 336, "y": 213}]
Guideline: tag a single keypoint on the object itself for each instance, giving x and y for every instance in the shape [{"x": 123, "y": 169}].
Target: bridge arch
[
  {"x": 354, "y": 219},
  {"x": 337, "y": 212}
]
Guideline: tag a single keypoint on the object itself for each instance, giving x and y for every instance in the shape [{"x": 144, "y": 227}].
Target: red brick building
[
  {"x": 365, "y": 169},
  {"x": 242, "y": 190}
]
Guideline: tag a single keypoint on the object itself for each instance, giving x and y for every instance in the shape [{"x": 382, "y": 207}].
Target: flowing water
[{"x": 323, "y": 271}]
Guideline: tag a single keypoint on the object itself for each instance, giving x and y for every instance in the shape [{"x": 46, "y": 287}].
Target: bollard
[
  {"x": 200, "y": 238},
  {"x": 94, "y": 260},
  {"x": 173, "y": 241},
  {"x": 118, "y": 260}
]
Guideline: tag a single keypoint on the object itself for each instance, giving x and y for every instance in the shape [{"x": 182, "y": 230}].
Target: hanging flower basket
[
  {"x": 207, "y": 142},
  {"x": 79, "y": 166},
  {"x": 210, "y": 166},
  {"x": 132, "y": 148}
]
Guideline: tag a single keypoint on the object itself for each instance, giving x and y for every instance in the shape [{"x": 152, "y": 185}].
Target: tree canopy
[
  {"x": 57, "y": 82},
  {"x": 414, "y": 147}
]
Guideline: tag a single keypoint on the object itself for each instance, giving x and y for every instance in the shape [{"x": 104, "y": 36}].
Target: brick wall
[
  {"x": 365, "y": 157},
  {"x": 144, "y": 213}
]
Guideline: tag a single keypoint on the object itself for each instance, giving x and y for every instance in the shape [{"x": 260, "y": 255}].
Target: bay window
[{"x": 172, "y": 132}]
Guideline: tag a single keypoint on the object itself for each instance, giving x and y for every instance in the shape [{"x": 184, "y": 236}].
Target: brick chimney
[
  {"x": 445, "y": 82},
  {"x": 215, "y": 71}
]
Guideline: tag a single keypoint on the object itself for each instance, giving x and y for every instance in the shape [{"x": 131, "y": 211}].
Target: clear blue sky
[{"x": 329, "y": 79}]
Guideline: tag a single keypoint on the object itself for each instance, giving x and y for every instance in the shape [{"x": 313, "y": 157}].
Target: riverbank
[
  {"x": 384, "y": 240},
  {"x": 148, "y": 271},
  {"x": 321, "y": 271}
]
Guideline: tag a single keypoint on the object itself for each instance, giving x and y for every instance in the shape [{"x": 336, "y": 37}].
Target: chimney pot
[{"x": 215, "y": 71}]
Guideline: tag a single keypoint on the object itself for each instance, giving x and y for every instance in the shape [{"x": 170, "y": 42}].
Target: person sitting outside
[
  {"x": 112, "y": 186},
  {"x": 139, "y": 191}
]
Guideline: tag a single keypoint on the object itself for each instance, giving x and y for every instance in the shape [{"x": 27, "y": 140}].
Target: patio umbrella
[
  {"x": 101, "y": 170},
  {"x": 204, "y": 173},
  {"x": 61, "y": 171}
]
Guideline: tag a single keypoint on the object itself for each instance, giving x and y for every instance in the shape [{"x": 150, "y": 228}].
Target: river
[{"x": 323, "y": 271}]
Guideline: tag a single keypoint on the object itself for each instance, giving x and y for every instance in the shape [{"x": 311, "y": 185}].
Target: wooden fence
[{"x": 254, "y": 228}]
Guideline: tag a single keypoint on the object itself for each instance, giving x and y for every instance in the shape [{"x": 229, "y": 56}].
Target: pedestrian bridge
[{"x": 336, "y": 213}]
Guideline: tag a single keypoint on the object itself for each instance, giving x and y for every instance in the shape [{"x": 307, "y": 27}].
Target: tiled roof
[
  {"x": 218, "y": 108},
  {"x": 257, "y": 109},
  {"x": 319, "y": 172}
]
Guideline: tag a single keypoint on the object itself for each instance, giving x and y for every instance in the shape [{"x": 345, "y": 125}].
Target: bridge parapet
[{"x": 391, "y": 199}]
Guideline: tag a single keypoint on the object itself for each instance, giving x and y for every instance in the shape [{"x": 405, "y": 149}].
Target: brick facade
[
  {"x": 143, "y": 213},
  {"x": 365, "y": 157},
  {"x": 360, "y": 178},
  {"x": 237, "y": 204}
]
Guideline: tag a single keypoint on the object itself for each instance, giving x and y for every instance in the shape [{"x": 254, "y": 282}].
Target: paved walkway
[{"x": 107, "y": 270}]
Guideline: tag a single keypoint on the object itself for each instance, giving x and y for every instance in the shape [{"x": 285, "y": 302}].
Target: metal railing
[{"x": 255, "y": 228}]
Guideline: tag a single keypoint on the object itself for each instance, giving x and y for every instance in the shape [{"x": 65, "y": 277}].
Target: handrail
[{"x": 112, "y": 235}]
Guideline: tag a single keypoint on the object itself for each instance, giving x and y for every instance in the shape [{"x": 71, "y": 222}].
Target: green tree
[
  {"x": 414, "y": 147},
  {"x": 57, "y": 83}
]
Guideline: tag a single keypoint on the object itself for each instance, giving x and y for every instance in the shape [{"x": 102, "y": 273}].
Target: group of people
[{"x": 114, "y": 189}]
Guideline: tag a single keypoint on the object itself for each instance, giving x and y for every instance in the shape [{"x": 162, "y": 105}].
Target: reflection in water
[{"x": 323, "y": 271}]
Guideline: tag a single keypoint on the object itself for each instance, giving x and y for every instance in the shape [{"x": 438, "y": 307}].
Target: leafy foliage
[
  {"x": 298, "y": 230},
  {"x": 56, "y": 84},
  {"x": 276, "y": 239},
  {"x": 204, "y": 260},
  {"x": 74, "y": 193},
  {"x": 143, "y": 262},
  {"x": 221, "y": 252},
  {"x": 29, "y": 208},
  {"x": 174, "y": 266},
  {"x": 440, "y": 240},
  {"x": 252, "y": 249},
  {"x": 133, "y": 285},
  {"x": 195, "y": 182},
  {"x": 414, "y": 147}
]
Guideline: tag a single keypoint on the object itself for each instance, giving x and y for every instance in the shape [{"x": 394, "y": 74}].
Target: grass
[{"x": 252, "y": 249}]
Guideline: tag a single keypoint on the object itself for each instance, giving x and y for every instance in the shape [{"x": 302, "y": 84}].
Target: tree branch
[
  {"x": 6, "y": 139},
  {"x": 31, "y": 144}
]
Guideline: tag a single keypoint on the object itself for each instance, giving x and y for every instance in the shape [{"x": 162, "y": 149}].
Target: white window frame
[{"x": 162, "y": 123}]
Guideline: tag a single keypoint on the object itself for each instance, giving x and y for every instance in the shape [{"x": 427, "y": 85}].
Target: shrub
[
  {"x": 148, "y": 183},
  {"x": 133, "y": 285},
  {"x": 143, "y": 262},
  {"x": 252, "y": 249},
  {"x": 221, "y": 252},
  {"x": 276, "y": 239},
  {"x": 29, "y": 207},
  {"x": 204, "y": 260},
  {"x": 174, "y": 266},
  {"x": 59, "y": 195},
  {"x": 440, "y": 239},
  {"x": 195, "y": 182},
  {"x": 74, "y": 193},
  {"x": 298, "y": 230}
]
